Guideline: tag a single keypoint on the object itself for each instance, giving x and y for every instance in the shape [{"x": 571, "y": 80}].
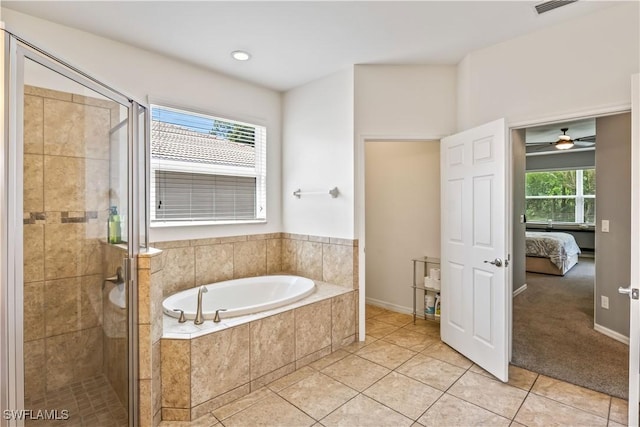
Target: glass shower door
[{"x": 76, "y": 175}]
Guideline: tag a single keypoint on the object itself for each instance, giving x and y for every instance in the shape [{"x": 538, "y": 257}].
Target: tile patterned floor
[
  {"x": 90, "y": 403},
  {"x": 403, "y": 375}
]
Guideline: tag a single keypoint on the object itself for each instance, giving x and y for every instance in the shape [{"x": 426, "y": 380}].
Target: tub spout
[{"x": 199, "y": 320}]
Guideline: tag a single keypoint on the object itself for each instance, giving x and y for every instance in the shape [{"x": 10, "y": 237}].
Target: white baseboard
[
  {"x": 520, "y": 290},
  {"x": 388, "y": 305},
  {"x": 611, "y": 334}
]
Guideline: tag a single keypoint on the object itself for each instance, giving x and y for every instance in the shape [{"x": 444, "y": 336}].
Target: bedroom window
[
  {"x": 567, "y": 196},
  {"x": 206, "y": 169}
]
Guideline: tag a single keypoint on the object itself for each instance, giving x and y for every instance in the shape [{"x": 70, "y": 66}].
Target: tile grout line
[
  {"x": 415, "y": 379},
  {"x": 529, "y": 391},
  {"x": 569, "y": 404},
  {"x": 348, "y": 400},
  {"x": 278, "y": 392},
  {"x": 237, "y": 412},
  {"x": 339, "y": 406},
  {"x": 385, "y": 405},
  {"x": 473, "y": 403},
  {"x": 513, "y": 420}
]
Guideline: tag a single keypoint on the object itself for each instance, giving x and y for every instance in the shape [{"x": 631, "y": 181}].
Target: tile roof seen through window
[{"x": 173, "y": 142}]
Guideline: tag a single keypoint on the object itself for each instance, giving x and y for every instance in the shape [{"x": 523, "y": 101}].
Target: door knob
[
  {"x": 497, "y": 262},
  {"x": 633, "y": 293}
]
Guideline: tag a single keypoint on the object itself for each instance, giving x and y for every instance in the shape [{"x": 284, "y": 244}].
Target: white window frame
[
  {"x": 579, "y": 197},
  {"x": 259, "y": 172}
]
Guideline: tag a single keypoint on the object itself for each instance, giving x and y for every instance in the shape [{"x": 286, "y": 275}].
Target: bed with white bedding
[{"x": 551, "y": 252}]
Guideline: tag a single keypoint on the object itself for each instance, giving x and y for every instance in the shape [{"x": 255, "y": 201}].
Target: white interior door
[
  {"x": 475, "y": 298},
  {"x": 633, "y": 289}
]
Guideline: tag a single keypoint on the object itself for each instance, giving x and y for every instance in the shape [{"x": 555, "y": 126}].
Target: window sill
[
  {"x": 561, "y": 226},
  {"x": 167, "y": 224}
]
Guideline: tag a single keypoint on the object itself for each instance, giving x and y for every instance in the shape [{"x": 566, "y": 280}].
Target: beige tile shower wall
[
  {"x": 65, "y": 136},
  {"x": 190, "y": 263},
  {"x": 207, "y": 372},
  {"x": 150, "y": 279}
]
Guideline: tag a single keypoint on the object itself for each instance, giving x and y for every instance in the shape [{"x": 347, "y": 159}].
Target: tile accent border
[{"x": 64, "y": 217}]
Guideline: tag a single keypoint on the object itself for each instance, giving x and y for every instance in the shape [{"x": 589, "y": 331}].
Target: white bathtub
[{"x": 240, "y": 296}]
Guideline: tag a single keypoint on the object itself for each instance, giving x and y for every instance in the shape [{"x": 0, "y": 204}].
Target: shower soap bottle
[{"x": 114, "y": 232}]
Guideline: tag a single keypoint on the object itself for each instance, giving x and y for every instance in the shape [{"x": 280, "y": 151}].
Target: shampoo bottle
[{"x": 114, "y": 232}]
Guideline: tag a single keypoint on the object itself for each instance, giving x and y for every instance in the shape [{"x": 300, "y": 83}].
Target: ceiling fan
[{"x": 565, "y": 142}]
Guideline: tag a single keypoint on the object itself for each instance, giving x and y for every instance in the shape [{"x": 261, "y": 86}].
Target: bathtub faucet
[
  {"x": 199, "y": 320},
  {"x": 216, "y": 318}
]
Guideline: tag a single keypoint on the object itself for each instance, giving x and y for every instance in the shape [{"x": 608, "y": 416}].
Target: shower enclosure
[{"x": 72, "y": 225}]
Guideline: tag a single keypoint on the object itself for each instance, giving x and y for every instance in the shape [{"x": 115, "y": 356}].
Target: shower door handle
[{"x": 117, "y": 278}]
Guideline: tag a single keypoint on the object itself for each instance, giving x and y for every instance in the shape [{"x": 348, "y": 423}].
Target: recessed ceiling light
[{"x": 240, "y": 55}]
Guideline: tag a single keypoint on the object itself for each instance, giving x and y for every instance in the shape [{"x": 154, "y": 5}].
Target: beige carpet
[{"x": 553, "y": 333}]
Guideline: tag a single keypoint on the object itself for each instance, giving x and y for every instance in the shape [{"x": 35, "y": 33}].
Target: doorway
[
  {"x": 402, "y": 205},
  {"x": 73, "y": 231},
  {"x": 559, "y": 320}
]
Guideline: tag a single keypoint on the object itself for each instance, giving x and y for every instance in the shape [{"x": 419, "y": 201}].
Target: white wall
[
  {"x": 581, "y": 65},
  {"x": 396, "y": 103},
  {"x": 575, "y": 69},
  {"x": 317, "y": 155},
  {"x": 405, "y": 101},
  {"x": 403, "y": 216},
  {"x": 144, "y": 75}
]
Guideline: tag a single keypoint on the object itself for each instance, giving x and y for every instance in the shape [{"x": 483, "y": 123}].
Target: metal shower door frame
[{"x": 14, "y": 53}]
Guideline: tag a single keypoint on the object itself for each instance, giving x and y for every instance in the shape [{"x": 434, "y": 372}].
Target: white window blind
[{"x": 205, "y": 168}]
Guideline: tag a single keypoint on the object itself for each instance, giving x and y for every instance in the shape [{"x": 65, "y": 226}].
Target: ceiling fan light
[{"x": 564, "y": 144}]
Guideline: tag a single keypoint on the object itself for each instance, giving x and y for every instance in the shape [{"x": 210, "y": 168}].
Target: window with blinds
[{"x": 206, "y": 168}]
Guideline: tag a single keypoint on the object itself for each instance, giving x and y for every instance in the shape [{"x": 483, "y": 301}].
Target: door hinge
[{"x": 127, "y": 264}]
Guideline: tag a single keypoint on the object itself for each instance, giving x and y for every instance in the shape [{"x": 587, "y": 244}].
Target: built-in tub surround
[
  {"x": 238, "y": 297},
  {"x": 209, "y": 365},
  {"x": 150, "y": 280},
  {"x": 186, "y": 264}
]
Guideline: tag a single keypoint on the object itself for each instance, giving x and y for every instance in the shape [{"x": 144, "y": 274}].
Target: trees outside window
[{"x": 566, "y": 196}]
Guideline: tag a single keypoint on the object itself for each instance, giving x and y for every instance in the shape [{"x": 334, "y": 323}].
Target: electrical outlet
[{"x": 604, "y": 302}]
